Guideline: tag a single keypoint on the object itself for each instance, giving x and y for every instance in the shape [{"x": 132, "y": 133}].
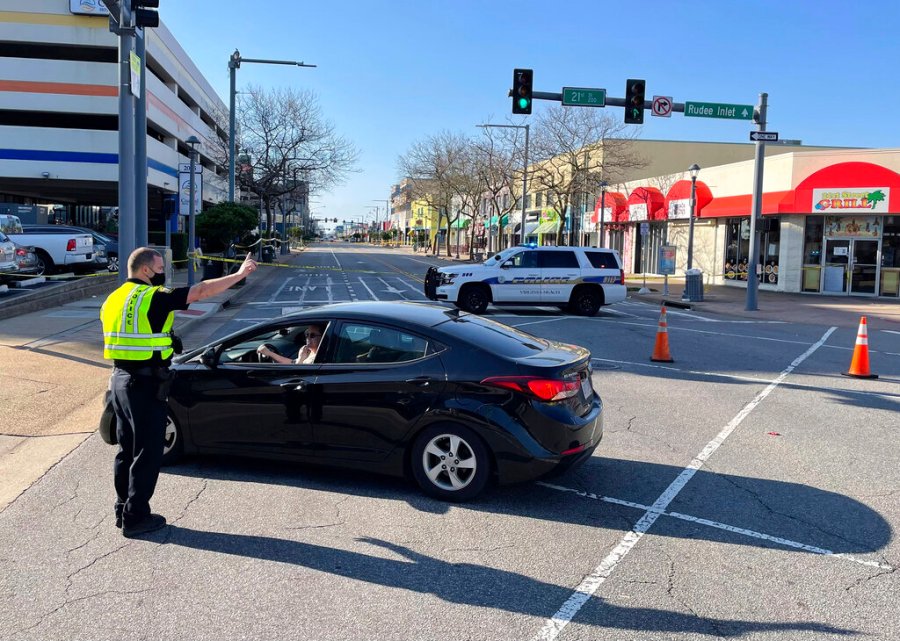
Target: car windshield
[{"x": 499, "y": 257}]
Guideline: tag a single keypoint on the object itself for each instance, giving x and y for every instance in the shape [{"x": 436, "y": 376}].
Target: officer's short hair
[{"x": 140, "y": 257}]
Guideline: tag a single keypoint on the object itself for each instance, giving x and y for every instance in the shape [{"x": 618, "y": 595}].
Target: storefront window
[
  {"x": 890, "y": 257},
  {"x": 812, "y": 252},
  {"x": 770, "y": 245},
  {"x": 737, "y": 248}
]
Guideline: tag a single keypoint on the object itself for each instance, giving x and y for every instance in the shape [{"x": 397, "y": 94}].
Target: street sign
[
  {"x": 768, "y": 136},
  {"x": 718, "y": 110},
  {"x": 662, "y": 106},
  {"x": 185, "y": 168},
  {"x": 645, "y": 229},
  {"x": 582, "y": 97}
]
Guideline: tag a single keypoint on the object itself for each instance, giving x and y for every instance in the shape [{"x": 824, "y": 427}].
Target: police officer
[{"x": 137, "y": 335}]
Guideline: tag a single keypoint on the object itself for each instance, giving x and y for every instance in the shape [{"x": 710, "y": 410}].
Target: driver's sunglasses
[{"x": 308, "y": 335}]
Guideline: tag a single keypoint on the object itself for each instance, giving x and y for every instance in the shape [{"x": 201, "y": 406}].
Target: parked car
[
  {"x": 9, "y": 267},
  {"x": 106, "y": 249},
  {"x": 59, "y": 248},
  {"x": 450, "y": 399},
  {"x": 578, "y": 279},
  {"x": 27, "y": 260}
]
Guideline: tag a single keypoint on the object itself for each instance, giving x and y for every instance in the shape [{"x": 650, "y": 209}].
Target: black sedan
[{"x": 448, "y": 398}]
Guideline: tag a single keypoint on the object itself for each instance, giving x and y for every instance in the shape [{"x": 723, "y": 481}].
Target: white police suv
[{"x": 577, "y": 279}]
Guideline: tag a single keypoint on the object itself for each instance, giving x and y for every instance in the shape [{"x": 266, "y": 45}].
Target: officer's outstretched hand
[{"x": 248, "y": 266}]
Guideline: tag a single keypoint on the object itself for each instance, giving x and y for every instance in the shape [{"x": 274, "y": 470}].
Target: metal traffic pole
[{"x": 758, "y": 165}]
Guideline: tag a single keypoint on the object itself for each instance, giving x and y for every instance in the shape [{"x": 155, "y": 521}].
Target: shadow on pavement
[{"x": 464, "y": 583}]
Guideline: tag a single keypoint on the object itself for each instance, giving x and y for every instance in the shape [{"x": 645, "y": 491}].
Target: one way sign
[{"x": 767, "y": 136}]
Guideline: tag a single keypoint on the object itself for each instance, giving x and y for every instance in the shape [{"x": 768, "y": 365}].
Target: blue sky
[{"x": 391, "y": 73}]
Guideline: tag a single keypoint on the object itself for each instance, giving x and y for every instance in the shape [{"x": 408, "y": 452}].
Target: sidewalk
[{"x": 728, "y": 300}]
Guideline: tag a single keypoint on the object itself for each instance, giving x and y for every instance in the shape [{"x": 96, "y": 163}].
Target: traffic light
[
  {"x": 144, "y": 13},
  {"x": 335, "y": 220},
  {"x": 634, "y": 101},
  {"x": 521, "y": 91}
]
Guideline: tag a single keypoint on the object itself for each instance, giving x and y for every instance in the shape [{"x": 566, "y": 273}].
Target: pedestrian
[{"x": 137, "y": 323}]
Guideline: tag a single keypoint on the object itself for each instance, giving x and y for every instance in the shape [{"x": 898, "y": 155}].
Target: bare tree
[
  {"x": 283, "y": 135},
  {"x": 432, "y": 166},
  {"x": 496, "y": 162},
  {"x": 574, "y": 149}
]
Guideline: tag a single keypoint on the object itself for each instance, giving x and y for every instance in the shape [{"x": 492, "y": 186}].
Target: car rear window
[
  {"x": 559, "y": 259},
  {"x": 603, "y": 260},
  {"x": 494, "y": 337}
]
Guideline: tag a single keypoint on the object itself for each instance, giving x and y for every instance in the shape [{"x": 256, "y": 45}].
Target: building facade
[{"x": 59, "y": 83}]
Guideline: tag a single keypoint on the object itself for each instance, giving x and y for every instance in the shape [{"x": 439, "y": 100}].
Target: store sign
[
  {"x": 88, "y": 7},
  {"x": 852, "y": 226},
  {"x": 637, "y": 211},
  {"x": 587, "y": 224},
  {"x": 678, "y": 209},
  {"x": 870, "y": 200}
]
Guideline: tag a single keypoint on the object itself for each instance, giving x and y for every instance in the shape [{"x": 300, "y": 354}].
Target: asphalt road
[{"x": 747, "y": 490}]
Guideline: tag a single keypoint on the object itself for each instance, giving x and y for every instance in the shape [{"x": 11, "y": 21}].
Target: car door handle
[{"x": 420, "y": 381}]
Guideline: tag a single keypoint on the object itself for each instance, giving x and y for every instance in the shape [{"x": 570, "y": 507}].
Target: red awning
[
  {"x": 615, "y": 202},
  {"x": 653, "y": 198},
  {"x": 775, "y": 202},
  {"x": 848, "y": 175},
  {"x": 682, "y": 191}
]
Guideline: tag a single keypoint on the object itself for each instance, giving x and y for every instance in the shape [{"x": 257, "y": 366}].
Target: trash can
[
  {"x": 212, "y": 269},
  {"x": 693, "y": 286},
  {"x": 268, "y": 254}
]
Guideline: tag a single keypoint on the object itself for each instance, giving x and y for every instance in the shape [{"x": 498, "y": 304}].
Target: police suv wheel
[
  {"x": 473, "y": 299},
  {"x": 585, "y": 302}
]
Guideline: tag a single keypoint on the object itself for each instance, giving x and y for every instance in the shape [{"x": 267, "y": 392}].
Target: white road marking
[
  {"x": 589, "y": 585},
  {"x": 543, "y": 320},
  {"x": 752, "y": 379},
  {"x": 371, "y": 293},
  {"x": 390, "y": 288},
  {"x": 890, "y": 331},
  {"x": 411, "y": 287},
  {"x": 722, "y": 526}
]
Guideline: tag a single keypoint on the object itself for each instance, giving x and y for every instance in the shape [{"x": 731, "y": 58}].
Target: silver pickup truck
[{"x": 55, "y": 252}]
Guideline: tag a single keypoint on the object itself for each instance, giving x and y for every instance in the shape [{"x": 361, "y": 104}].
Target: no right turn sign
[{"x": 662, "y": 106}]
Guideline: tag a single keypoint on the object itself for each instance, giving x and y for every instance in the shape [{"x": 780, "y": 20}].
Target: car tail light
[
  {"x": 21, "y": 252},
  {"x": 70, "y": 246},
  {"x": 621, "y": 276},
  {"x": 546, "y": 389}
]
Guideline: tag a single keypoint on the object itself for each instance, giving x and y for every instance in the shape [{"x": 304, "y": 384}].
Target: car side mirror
[{"x": 208, "y": 357}]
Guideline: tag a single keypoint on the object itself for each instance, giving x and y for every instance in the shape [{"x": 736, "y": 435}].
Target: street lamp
[
  {"x": 524, "y": 172},
  {"x": 192, "y": 141},
  {"x": 603, "y": 185},
  {"x": 234, "y": 63},
  {"x": 694, "y": 169}
]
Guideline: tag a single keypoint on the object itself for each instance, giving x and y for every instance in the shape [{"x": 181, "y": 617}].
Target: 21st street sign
[{"x": 718, "y": 110}]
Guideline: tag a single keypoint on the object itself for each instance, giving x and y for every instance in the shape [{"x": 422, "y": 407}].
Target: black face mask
[{"x": 158, "y": 280}]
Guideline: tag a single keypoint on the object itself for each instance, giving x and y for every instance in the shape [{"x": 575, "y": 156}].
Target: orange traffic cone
[
  {"x": 661, "y": 349},
  {"x": 859, "y": 365}
]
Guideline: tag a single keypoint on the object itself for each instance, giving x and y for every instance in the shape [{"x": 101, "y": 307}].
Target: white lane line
[
  {"x": 890, "y": 331},
  {"x": 722, "y": 526},
  {"x": 701, "y": 331},
  {"x": 328, "y": 284},
  {"x": 588, "y": 586},
  {"x": 751, "y": 379},
  {"x": 371, "y": 293},
  {"x": 336, "y": 261},
  {"x": 412, "y": 287},
  {"x": 543, "y": 320}
]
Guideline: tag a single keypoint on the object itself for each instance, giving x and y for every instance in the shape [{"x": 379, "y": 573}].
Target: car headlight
[{"x": 447, "y": 279}]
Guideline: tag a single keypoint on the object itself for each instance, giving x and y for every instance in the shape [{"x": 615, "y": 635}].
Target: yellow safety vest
[{"x": 126, "y": 329}]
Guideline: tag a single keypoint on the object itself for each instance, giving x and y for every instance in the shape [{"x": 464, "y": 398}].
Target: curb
[{"x": 57, "y": 295}]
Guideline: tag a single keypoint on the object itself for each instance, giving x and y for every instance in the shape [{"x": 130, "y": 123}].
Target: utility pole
[
  {"x": 234, "y": 63},
  {"x": 756, "y": 209}
]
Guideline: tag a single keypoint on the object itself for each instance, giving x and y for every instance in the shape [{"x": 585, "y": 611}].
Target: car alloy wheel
[
  {"x": 450, "y": 463},
  {"x": 173, "y": 445},
  {"x": 112, "y": 263}
]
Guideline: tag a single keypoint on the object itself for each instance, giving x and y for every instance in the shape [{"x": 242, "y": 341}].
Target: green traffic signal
[
  {"x": 521, "y": 91},
  {"x": 523, "y": 103}
]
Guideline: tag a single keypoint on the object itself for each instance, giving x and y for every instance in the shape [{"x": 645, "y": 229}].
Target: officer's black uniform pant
[{"x": 140, "y": 428}]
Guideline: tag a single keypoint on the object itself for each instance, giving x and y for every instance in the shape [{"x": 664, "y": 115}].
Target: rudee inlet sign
[
  {"x": 88, "y": 7},
  {"x": 869, "y": 200}
]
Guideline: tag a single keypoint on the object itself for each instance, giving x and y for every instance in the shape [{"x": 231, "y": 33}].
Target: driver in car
[{"x": 307, "y": 354}]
